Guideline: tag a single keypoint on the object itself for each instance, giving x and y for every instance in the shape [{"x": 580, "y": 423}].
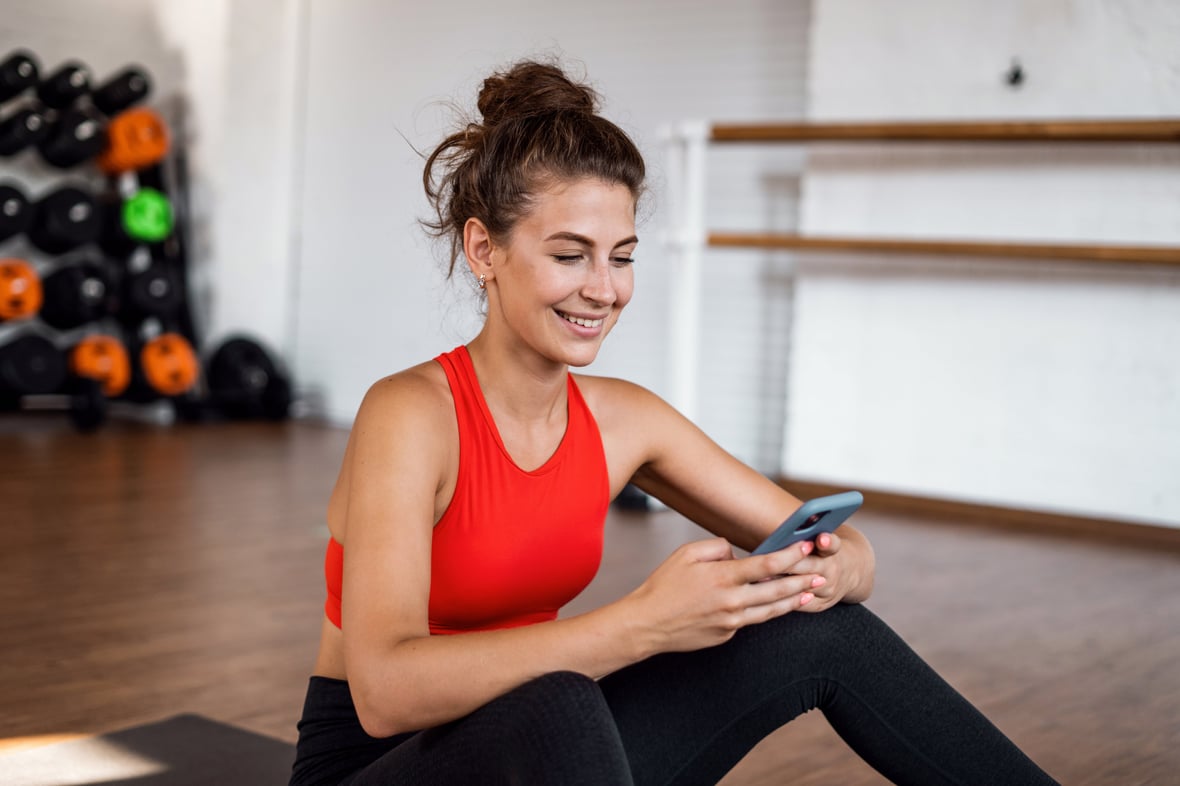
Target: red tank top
[{"x": 513, "y": 547}]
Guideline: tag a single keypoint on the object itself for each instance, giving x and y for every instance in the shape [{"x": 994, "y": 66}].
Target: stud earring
[{"x": 482, "y": 281}]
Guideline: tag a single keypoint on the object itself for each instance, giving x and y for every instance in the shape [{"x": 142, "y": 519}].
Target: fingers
[
  {"x": 776, "y": 563},
  {"x": 794, "y": 601},
  {"x": 827, "y": 544},
  {"x": 778, "y": 589}
]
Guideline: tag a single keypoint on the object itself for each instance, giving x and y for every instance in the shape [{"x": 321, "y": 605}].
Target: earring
[{"x": 482, "y": 281}]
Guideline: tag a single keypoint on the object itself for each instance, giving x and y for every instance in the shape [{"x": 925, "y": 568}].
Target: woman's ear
[{"x": 477, "y": 249}]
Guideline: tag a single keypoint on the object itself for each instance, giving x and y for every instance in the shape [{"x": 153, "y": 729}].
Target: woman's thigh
[{"x": 555, "y": 730}]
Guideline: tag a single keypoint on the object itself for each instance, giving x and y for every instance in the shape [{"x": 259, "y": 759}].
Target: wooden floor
[{"x": 147, "y": 571}]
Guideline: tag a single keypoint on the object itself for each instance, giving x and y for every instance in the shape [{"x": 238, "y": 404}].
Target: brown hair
[{"x": 538, "y": 126}]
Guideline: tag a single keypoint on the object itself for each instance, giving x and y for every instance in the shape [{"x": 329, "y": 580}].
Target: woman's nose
[{"x": 599, "y": 286}]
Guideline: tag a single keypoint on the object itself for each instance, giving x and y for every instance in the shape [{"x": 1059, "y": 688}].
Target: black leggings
[{"x": 685, "y": 718}]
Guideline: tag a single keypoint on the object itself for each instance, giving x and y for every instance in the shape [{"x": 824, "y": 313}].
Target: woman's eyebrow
[{"x": 575, "y": 237}]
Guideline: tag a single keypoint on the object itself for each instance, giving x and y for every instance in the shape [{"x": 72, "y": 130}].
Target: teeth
[{"x": 590, "y": 323}]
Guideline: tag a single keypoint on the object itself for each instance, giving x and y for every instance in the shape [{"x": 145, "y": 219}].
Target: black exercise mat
[{"x": 185, "y": 750}]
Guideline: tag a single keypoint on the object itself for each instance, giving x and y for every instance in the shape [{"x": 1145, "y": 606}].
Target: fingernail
[
  {"x": 805, "y": 598},
  {"x": 818, "y": 581},
  {"x": 807, "y": 547}
]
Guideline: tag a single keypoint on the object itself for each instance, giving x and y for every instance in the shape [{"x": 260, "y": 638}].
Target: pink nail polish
[
  {"x": 818, "y": 581},
  {"x": 805, "y": 598}
]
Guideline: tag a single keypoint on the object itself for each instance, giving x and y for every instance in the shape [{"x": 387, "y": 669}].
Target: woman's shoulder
[
  {"x": 613, "y": 399},
  {"x": 420, "y": 391}
]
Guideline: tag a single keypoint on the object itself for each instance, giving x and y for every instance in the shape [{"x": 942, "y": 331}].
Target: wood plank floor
[{"x": 147, "y": 571}]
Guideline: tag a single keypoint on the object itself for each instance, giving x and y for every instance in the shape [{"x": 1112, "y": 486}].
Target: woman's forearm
[{"x": 425, "y": 681}]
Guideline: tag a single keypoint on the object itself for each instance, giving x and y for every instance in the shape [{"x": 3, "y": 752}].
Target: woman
[{"x": 470, "y": 507}]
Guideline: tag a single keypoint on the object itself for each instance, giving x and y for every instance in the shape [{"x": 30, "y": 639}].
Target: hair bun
[{"x": 530, "y": 88}]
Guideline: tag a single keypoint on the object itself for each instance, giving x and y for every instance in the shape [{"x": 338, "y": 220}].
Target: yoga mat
[{"x": 184, "y": 750}]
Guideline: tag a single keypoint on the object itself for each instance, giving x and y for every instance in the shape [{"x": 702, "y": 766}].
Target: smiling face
[{"x": 559, "y": 282}]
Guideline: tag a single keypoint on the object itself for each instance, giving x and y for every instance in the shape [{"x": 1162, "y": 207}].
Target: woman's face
[{"x": 565, "y": 274}]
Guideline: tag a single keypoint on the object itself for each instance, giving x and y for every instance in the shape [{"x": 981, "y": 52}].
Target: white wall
[
  {"x": 371, "y": 297},
  {"x": 241, "y": 89},
  {"x": 1036, "y": 385}
]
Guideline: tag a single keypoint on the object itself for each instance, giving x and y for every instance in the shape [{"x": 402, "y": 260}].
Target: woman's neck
[{"x": 517, "y": 382}]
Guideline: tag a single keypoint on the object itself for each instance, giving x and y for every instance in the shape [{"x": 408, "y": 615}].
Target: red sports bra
[{"x": 513, "y": 547}]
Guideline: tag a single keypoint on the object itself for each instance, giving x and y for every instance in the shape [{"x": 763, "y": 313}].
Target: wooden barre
[
  {"x": 1160, "y": 130},
  {"x": 1152, "y": 255}
]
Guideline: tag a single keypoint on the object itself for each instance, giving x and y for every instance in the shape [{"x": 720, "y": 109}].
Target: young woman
[{"x": 470, "y": 508}]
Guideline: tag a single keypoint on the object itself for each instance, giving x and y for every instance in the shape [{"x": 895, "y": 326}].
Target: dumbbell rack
[{"x": 30, "y": 171}]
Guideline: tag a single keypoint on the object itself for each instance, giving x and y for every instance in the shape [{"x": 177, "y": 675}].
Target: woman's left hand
[{"x": 847, "y": 565}]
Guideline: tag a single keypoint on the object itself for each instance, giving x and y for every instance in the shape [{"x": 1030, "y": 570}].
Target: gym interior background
[{"x": 1013, "y": 416}]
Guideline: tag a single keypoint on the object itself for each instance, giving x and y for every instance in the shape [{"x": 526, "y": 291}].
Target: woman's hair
[{"x": 539, "y": 127}]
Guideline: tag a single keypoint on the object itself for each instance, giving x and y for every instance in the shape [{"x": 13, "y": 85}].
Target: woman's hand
[
  {"x": 846, "y": 564},
  {"x": 701, "y": 595}
]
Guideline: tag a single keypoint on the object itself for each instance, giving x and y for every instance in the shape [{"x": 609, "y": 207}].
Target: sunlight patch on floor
[{"x": 85, "y": 760}]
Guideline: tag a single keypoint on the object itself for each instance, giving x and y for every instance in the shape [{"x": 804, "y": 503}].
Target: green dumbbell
[{"x": 144, "y": 219}]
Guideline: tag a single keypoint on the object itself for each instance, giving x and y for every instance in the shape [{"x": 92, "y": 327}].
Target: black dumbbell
[
  {"x": 65, "y": 219},
  {"x": 15, "y": 211},
  {"x": 18, "y": 72},
  {"x": 30, "y": 364},
  {"x": 88, "y": 405},
  {"x": 20, "y": 129},
  {"x": 154, "y": 292},
  {"x": 64, "y": 86},
  {"x": 245, "y": 383},
  {"x": 123, "y": 90},
  {"x": 76, "y": 294},
  {"x": 76, "y": 136}
]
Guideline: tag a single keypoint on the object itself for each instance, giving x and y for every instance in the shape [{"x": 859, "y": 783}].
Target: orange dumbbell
[
  {"x": 20, "y": 290},
  {"x": 170, "y": 365},
  {"x": 103, "y": 359},
  {"x": 136, "y": 139}
]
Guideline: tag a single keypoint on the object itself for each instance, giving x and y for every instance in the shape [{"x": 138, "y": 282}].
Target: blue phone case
[{"x": 822, "y": 514}]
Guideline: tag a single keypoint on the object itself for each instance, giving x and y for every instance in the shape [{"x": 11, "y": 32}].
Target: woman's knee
[
  {"x": 561, "y": 700},
  {"x": 838, "y": 634},
  {"x": 558, "y": 728}
]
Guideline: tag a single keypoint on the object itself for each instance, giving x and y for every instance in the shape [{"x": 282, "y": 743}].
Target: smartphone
[{"x": 822, "y": 514}]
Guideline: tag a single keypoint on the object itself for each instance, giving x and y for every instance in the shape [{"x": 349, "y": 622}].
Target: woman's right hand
[{"x": 701, "y": 595}]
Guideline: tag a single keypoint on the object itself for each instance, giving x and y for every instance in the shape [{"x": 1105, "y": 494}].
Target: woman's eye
[
  {"x": 567, "y": 259},
  {"x": 623, "y": 260}
]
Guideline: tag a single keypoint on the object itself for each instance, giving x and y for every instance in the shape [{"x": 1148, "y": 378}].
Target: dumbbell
[
  {"x": 86, "y": 402},
  {"x": 77, "y": 293},
  {"x": 104, "y": 359},
  {"x": 64, "y": 86},
  {"x": 154, "y": 292},
  {"x": 18, "y": 72},
  {"x": 30, "y": 364},
  {"x": 21, "y": 129},
  {"x": 167, "y": 366},
  {"x": 65, "y": 219},
  {"x": 143, "y": 219},
  {"x": 136, "y": 139},
  {"x": 244, "y": 382},
  {"x": 123, "y": 90},
  {"x": 15, "y": 211},
  {"x": 21, "y": 294},
  {"x": 76, "y": 135}
]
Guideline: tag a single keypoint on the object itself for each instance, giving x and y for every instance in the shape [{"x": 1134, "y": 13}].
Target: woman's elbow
[{"x": 376, "y": 720}]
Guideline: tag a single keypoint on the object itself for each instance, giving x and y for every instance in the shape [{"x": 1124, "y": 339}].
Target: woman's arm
[
  {"x": 680, "y": 465},
  {"x": 402, "y": 678}
]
